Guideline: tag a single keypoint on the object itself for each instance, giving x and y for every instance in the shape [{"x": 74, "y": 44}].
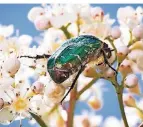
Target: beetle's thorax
[{"x": 107, "y": 50}]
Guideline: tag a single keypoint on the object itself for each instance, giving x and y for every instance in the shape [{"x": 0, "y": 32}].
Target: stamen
[
  {"x": 8, "y": 103},
  {"x": 20, "y": 104},
  {"x": 13, "y": 91},
  {"x": 33, "y": 67},
  {"x": 8, "y": 95},
  {"x": 38, "y": 108},
  {"x": 17, "y": 94},
  {"x": 27, "y": 89},
  {"x": 11, "y": 111}
]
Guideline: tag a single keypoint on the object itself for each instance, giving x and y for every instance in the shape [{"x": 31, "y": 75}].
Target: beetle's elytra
[{"x": 73, "y": 54}]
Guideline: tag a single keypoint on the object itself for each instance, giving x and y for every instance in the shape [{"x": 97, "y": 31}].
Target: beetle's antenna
[{"x": 36, "y": 57}]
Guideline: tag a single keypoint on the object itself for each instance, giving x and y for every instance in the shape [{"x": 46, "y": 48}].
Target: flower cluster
[{"x": 26, "y": 87}]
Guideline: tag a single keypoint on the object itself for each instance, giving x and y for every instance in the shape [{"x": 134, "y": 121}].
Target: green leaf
[{"x": 38, "y": 120}]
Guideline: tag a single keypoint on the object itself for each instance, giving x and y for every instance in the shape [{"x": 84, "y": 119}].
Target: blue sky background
[{"x": 16, "y": 14}]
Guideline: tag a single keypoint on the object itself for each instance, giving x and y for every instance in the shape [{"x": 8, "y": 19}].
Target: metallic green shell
[{"x": 72, "y": 54}]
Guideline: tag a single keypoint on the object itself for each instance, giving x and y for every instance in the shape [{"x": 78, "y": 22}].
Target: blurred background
[{"x": 16, "y": 14}]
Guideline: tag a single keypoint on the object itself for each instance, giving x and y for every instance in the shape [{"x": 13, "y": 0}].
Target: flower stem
[
  {"x": 119, "y": 91},
  {"x": 71, "y": 107},
  {"x": 119, "y": 88},
  {"x": 78, "y": 25},
  {"x": 67, "y": 34}
]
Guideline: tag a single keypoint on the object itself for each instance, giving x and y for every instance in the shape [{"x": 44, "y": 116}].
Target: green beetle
[{"x": 74, "y": 54}]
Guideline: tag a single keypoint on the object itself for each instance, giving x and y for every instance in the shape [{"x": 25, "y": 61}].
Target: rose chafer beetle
[{"x": 73, "y": 56}]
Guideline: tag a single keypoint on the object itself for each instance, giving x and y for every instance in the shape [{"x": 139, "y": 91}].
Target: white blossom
[
  {"x": 25, "y": 40},
  {"x": 127, "y": 16},
  {"x": 6, "y": 31},
  {"x": 25, "y": 83},
  {"x": 112, "y": 121},
  {"x": 34, "y": 12}
]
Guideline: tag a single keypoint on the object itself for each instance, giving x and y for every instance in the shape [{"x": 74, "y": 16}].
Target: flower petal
[
  {"x": 6, "y": 116},
  {"x": 6, "y": 31},
  {"x": 125, "y": 35}
]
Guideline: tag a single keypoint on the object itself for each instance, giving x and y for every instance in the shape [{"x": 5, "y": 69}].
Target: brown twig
[{"x": 71, "y": 108}]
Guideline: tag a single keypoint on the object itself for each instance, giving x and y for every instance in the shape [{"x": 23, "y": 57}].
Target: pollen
[{"x": 19, "y": 104}]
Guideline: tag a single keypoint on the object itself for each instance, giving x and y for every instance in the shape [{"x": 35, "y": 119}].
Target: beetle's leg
[
  {"x": 36, "y": 57},
  {"x": 74, "y": 82},
  {"x": 106, "y": 62}
]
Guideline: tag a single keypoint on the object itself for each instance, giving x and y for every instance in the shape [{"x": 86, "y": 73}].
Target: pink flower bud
[
  {"x": 131, "y": 80},
  {"x": 11, "y": 65},
  {"x": 138, "y": 32},
  {"x": 126, "y": 63},
  {"x": 115, "y": 32},
  {"x": 94, "y": 103},
  {"x": 125, "y": 67},
  {"x": 38, "y": 87},
  {"x": 1, "y": 103},
  {"x": 90, "y": 71},
  {"x": 85, "y": 122},
  {"x": 123, "y": 50},
  {"x": 97, "y": 13},
  {"x": 109, "y": 73},
  {"x": 129, "y": 100},
  {"x": 135, "y": 89},
  {"x": 35, "y": 12},
  {"x": 42, "y": 23}
]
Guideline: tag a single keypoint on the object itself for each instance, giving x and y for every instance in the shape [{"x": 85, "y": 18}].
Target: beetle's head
[
  {"x": 59, "y": 75},
  {"x": 107, "y": 50}
]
